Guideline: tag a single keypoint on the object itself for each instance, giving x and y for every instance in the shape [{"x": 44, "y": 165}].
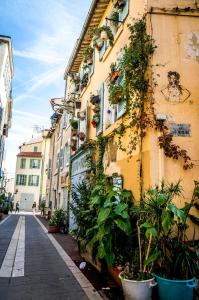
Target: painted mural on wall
[
  {"x": 174, "y": 92},
  {"x": 192, "y": 45}
]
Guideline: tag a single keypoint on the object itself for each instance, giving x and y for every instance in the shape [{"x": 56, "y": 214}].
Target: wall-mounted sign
[
  {"x": 118, "y": 182},
  {"x": 181, "y": 129}
]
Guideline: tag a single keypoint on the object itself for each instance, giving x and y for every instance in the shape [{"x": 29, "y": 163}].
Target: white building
[
  {"x": 30, "y": 174},
  {"x": 6, "y": 76}
]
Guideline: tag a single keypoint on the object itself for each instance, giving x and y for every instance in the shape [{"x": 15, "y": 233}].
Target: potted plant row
[{"x": 167, "y": 256}]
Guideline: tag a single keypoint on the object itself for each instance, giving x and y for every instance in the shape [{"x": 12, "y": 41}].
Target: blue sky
[{"x": 43, "y": 35}]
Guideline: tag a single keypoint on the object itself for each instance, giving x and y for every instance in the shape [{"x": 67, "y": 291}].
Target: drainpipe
[{"x": 51, "y": 173}]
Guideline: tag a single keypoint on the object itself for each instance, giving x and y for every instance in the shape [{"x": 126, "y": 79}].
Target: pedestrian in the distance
[
  {"x": 11, "y": 207},
  {"x": 17, "y": 207},
  {"x": 33, "y": 207}
]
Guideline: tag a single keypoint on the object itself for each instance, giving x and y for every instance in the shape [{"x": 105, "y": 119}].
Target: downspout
[{"x": 51, "y": 170}]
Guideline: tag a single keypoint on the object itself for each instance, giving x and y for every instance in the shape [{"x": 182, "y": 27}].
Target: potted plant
[
  {"x": 53, "y": 225},
  {"x": 74, "y": 124},
  {"x": 95, "y": 99},
  {"x": 96, "y": 108},
  {"x": 114, "y": 74},
  {"x": 74, "y": 147},
  {"x": 115, "y": 93},
  {"x": 137, "y": 279},
  {"x": 84, "y": 80},
  {"x": 81, "y": 136},
  {"x": 114, "y": 18},
  {"x": 119, "y": 4},
  {"x": 57, "y": 220},
  {"x": 81, "y": 115},
  {"x": 88, "y": 56},
  {"x": 94, "y": 123},
  {"x": 102, "y": 34},
  {"x": 174, "y": 264}
]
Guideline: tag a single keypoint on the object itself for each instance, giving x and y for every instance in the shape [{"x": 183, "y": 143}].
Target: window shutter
[
  {"x": 91, "y": 68},
  {"x": 39, "y": 162},
  {"x": 17, "y": 180},
  {"x": 25, "y": 179},
  {"x": 30, "y": 163},
  {"x": 124, "y": 12},
  {"x": 101, "y": 95},
  {"x": 29, "y": 180},
  {"x": 102, "y": 50},
  {"x": 37, "y": 180},
  {"x": 1, "y": 114},
  {"x": 121, "y": 108}
]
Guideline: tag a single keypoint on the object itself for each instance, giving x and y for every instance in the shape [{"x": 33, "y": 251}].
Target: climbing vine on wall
[{"x": 136, "y": 89}]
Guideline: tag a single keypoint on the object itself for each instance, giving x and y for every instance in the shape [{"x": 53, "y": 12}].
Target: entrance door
[{"x": 26, "y": 201}]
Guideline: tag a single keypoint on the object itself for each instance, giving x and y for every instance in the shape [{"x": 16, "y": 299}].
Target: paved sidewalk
[{"x": 46, "y": 277}]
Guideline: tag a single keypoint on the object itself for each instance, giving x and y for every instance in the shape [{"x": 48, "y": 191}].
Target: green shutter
[
  {"x": 37, "y": 180},
  {"x": 124, "y": 12},
  {"x": 91, "y": 68},
  {"x": 30, "y": 163},
  {"x": 25, "y": 179},
  {"x": 39, "y": 161},
  {"x": 29, "y": 180},
  {"x": 101, "y": 95},
  {"x": 17, "y": 180}
]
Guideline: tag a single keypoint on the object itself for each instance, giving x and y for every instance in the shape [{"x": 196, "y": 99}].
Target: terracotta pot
[
  {"x": 94, "y": 123},
  {"x": 114, "y": 272},
  {"x": 73, "y": 147},
  {"x": 53, "y": 229},
  {"x": 104, "y": 35},
  {"x": 115, "y": 75},
  {"x": 81, "y": 136},
  {"x": 89, "y": 62},
  {"x": 99, "y": 45}
]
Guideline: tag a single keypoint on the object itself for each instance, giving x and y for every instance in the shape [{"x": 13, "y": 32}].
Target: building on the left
[
  {"x": 30, "y": 174},
  {"x": 6, "y": 76}
]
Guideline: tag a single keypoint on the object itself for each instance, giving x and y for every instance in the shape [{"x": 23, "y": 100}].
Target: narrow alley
[{"x": 31, "y": 268}]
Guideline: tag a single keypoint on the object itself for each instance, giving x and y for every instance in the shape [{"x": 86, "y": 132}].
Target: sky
[{"x": 43, "y": 35}]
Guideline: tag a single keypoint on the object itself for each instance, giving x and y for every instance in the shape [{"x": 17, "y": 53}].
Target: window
[
  {"x": 99, "y": 127},
  {"x": 61, "y": 159},
  {"x": 23, "y": 163},
  {"x": 34, "y": 163},
  {"x": 124, "y": 12},
  {"x": 121, "y": 105},
  {"x": 35, "y": 149},
  {"x": 21, "y": 179},
  {"x": 49, "y": 168},
  {"x": 33, "y": 180},
  {"x": 57, "y": 162}
]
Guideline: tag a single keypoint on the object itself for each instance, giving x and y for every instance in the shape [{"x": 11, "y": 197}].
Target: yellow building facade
[{"x": 173, "y": 74}]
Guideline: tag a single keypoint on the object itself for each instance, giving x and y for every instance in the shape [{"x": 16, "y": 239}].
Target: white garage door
[{"x": 26, "y": 201}]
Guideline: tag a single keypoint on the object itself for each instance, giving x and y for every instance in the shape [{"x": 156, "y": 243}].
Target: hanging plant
[
  {"x": 74, "y": 124},
  {"x": 84, "y": 81},
  {"x": 115, "y": 73},
  {"x": 103, "y": 33},
  {"x": 115, "y": 93},
  {"x": 81, "y": 136},
  {"x": 81, "y": 115},
  {"x": 96, "y": 119},
  {"x": 95, "y": 99},
  {"x": 96, "y": 108},
  {"x": 88, "y": 56},
  {"x": 74, "y": 147},
  {"x": 114, "y": 18},
  {"x": 119, "y": 4}
]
